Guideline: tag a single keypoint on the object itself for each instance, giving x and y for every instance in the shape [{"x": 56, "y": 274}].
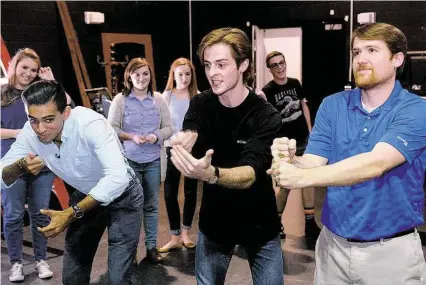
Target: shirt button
[{"x": 365, "y": 130}]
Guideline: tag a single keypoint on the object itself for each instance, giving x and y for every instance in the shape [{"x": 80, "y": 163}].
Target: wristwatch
[
  {"x": 215, "y": 177},
  {"x": 78, "y": 212}
]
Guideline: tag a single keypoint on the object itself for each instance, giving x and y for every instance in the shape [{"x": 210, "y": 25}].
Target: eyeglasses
[{"x": 277, "y": 64}]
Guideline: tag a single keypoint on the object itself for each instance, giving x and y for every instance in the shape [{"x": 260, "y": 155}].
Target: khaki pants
[{"x": 397, "y": 261}]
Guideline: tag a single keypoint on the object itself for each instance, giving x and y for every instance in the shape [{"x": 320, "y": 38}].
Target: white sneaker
[
  {"x": 17, "y": 272},
  {"x": 43, "y": 269}
]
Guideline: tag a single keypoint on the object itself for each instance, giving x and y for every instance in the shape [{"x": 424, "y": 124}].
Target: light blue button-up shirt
[
  {"x": 90, "y": 158},
  {"x": 141, "y": 117}
]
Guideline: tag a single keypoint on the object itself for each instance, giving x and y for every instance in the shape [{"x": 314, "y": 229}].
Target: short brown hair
[
  {"x": 134, "y": 64},
  {"x": 239, "y": 43},
  {"x": 271, "y": 55},
  {"x": 193, "y": 88},
  {"x": 392, "y": 36}
]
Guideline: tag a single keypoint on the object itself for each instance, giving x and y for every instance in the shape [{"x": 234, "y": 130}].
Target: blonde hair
[
  {"x": 193, "y": 88},
  {"x": 8, "y": 97},
  {"x": 134, "y": 64}
]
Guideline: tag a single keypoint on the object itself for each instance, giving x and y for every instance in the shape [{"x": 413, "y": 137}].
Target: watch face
[{"x": 79, "y": 214}]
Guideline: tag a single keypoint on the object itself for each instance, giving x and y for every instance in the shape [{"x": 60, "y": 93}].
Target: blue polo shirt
[{"x": 386, "y": 205}]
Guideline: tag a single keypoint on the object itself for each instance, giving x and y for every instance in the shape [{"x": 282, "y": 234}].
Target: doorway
[{"x": 118, "y": 50}]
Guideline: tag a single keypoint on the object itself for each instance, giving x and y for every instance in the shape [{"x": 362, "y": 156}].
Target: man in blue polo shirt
[{"x": 367, "y": 146}]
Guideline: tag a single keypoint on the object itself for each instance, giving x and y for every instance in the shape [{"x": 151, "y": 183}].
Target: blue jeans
[
  {"x": 149, "y": 174},
  {"x": 212, "y": 261},
  {"x": 37, "y": 190},
  {"x": 123, "y": 219}
]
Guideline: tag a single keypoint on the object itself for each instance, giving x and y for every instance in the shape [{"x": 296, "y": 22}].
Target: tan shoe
[
  {"x": 169, "y": 249},
  {"x": 189, "y": 245}
]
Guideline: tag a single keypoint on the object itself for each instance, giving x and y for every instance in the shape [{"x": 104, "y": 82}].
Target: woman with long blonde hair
[
  {"x": 181, "y": 87},
  {"x": 24, "y": 69}
]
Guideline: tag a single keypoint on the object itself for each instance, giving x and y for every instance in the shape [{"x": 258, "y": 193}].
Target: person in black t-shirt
[
  {"x": 286, "y": 95},
  {"x": 233, "y": 129}
]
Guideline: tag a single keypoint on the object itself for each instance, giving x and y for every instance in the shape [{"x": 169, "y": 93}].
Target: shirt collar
[
  {"x": 149, "y": 97},
  {"x": 67, "y": 129},
  {"x": 355, "y": 98}
]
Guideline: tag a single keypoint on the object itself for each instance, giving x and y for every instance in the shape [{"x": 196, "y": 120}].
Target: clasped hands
[
  {"x": 189, "y": 166},
  {"x": 282, "y": 171},
  {"x": 139, "y": 139}
]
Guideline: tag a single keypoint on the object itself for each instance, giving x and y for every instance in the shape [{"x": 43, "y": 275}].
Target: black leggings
[{"x": 171, "y": 189}]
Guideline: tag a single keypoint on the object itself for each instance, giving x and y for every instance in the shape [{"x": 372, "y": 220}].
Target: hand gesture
[
  {"x": 151, "y": 138},
  {"x": 59, "y": 221},
  {"x": 45, "y": 73},
  {"x": 287, "y": 175},
  {"x": 200, "y": 169},
  {"x": 138, "y": 139},
  {"x": 185, "y": 139},
  {"x": 283, "y": 149},
  {"x": 33, "y": 163}
]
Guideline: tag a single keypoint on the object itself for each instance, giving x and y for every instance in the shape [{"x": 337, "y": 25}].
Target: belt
[{"x": 400, "y": 234}]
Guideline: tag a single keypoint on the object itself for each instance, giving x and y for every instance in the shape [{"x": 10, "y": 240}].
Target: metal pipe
[
  {"x": 350, "y": 38},
  {"x": 190, "y": 30},
  {"x": 417, "y": 52}
]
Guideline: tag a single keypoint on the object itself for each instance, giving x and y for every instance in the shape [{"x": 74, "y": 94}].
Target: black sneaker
[{"x": 153, "y": 255}]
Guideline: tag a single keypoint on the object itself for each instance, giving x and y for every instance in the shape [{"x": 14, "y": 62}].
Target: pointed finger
[{"x": 46, "y": 212}]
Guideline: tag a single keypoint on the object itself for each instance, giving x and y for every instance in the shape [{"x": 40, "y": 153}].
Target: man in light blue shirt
[{"x": 81, "y": 148}]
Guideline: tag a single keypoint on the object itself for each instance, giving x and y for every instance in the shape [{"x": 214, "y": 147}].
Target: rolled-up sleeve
[{"x": 104, "y": 141}]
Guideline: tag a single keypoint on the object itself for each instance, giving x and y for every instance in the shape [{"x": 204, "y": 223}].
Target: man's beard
[{"x": 366, "y": 81}]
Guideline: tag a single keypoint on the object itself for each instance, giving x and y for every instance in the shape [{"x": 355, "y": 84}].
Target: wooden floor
[{"x": 178, "y": 268}]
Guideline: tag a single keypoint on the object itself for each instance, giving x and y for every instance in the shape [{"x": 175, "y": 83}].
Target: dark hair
[
  {"x": 239, "y": 43},
  {"x": 392, "y": 36},
  {"x": 271, "y": 55},
  {"x": 44, "y": 91},
  {"x": 134, "y": 64}
]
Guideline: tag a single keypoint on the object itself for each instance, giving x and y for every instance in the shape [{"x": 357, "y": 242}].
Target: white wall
[{"x": 285, "y": 40}]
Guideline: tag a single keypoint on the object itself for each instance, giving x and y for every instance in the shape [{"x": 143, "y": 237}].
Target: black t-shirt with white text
[
  {"x": 287, "y": 100},
  {"x": 239, "y": 136}
]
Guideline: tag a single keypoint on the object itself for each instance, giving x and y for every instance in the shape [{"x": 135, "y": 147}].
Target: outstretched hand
[
  {"x": 200, "y": 169},
  {"x": 59, "y": 221}
]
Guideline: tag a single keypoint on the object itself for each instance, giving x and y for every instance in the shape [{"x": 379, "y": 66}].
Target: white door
[
  {"x": 285, "y": 40},
  {"x": 258, "y": 56}
]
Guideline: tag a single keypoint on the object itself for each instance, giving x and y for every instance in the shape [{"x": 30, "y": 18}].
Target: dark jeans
[
  {"x": 212, "y": 261},
  {"x": 171, "y": 189},
  {"x": 123, "y": 218},
  {"x": 37, "y": 190}
]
